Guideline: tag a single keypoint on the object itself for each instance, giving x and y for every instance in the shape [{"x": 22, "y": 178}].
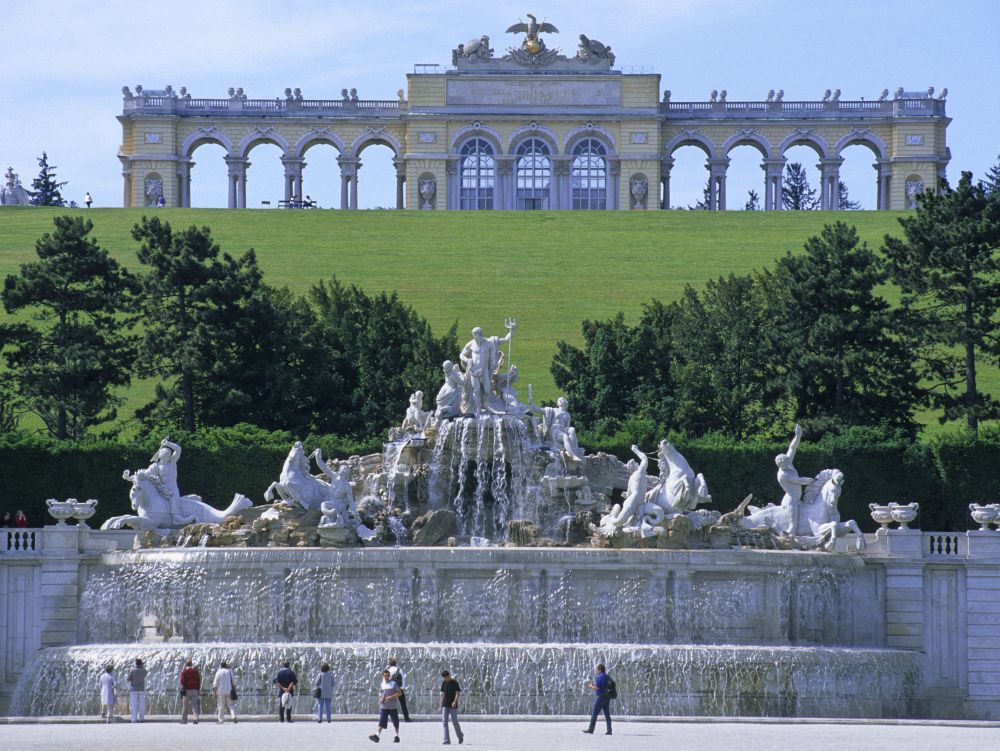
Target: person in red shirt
[
  {"x": 20, "y": 520},
  {"x": 191, "y": 688}
]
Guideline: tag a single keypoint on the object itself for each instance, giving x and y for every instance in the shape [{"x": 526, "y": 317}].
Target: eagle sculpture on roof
[{"x": 532, "y": 44}]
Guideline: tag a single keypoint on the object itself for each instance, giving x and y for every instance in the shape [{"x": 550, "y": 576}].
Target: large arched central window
[
  {"x": 534, "y": 175},
  {"x": 589, "y": 175},
  {"x": 477, "y": 174}
]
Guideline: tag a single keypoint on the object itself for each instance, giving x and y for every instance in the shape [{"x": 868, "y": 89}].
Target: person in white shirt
[
  {"x": 222, "y": 686},
  {"x": 108, "y": 698}
]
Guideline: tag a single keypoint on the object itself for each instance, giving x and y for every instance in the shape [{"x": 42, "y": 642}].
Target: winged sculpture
[{"x": 532, "y": 44}]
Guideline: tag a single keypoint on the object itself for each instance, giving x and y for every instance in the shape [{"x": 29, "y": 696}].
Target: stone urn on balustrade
[{"x": 984, "y": 515}]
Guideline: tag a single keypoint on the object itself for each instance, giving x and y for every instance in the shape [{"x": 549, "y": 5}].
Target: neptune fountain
[{"x": 485, "y": 538}]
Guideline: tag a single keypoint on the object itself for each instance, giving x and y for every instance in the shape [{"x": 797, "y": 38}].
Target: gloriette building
[{"x": 534, "y": 128}]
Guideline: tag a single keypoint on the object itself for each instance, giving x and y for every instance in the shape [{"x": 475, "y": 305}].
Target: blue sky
[{"x": 65, "y": 62}]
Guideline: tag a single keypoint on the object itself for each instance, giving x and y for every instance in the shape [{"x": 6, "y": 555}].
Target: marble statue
[
  {"x": 482, "y": 357},
  {"x": 638, "y": 187},
  {"x": 628, "y": 512},
  {"x": 679, "y": 489},
  {"x": 338, "y": 508},
  {"x": 13, "y": 193},
  {"x": 427, "y": 187},
  {"x": 158, "y": 503},
  {"x": 913, "y": 189},
  {"x": 296, "y": 484},
  {"x": 416, "y": 417},
  {"x": 554, "y": 429},
  {"x": 452, "y": 398},
  {"x": 475, "y": 49}
]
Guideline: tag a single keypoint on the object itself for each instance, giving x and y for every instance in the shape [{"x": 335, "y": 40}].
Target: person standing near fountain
[
  {"x": 397, "y": 676},
  {"x": 450, "y": 691},
  {"x": 286, "y": 681},
  {"x": 137, "y": 691},
  {"x": 108, "y": 699},
  {"x": 191, "y": 688},
  {"x": 388, "y": 708},
  {"x": 324, "y": 692},
  {"x": 602, "y": 700},
  {"x": 222, "y": 687}
]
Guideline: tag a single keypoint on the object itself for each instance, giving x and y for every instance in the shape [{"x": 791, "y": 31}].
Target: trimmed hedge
[{"x": 943, "y": 475}]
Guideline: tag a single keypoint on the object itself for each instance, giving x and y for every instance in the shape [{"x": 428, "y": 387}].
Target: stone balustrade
[
  {"x": 236, "y": 107},
  {"x": 832, "y": 109}
]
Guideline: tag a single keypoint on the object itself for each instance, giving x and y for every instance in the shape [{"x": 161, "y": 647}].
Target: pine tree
[
  {"x": 703, "y": 204},
  {"x": 45, "y": 189},
  {"x": 796, "y": 195},
  {"x": 753, "y": 201},
  {"x": 68, "y": 361},
  {"x": 992, "y": 180},
  {"x": 832, "y": 345},
  {"x": 844, "y": 202},
  {"x": 948, "y": 267}
]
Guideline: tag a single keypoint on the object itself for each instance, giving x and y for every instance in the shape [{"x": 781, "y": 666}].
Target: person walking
[
  {"x": 602, "y": 701},
  {"x": 397, "y": 676},
  {"x": 286, "y": 681},
  {"x": 137, "y": 691},
  {"x": 450, "y": 691},
  {"x": 191, "y": 688},
  {"x": 324, "y": 692},
  {"x": 108, "y": 699},
  {"x": 388, "y": 708},
  {"x": 223, "y": 688},
  {"x": 88, "y": 200}
]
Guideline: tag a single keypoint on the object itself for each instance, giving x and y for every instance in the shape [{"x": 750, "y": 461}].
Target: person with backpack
[
  {"x": 397, "y": 676},
  {"x": 604, "y": 691},
  {"x": 224, "y": 691}
]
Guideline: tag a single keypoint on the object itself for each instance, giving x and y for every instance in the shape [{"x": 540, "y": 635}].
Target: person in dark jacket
[{"x": 286, "y": 681}]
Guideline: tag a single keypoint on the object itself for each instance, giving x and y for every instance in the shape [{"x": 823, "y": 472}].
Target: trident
[{"x": 509, "y": 323}]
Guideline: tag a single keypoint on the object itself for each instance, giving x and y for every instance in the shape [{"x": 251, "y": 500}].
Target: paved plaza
[{"x": 551, "y": 735}]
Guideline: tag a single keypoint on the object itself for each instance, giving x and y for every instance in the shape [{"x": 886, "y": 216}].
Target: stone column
[
  {"x": 400, "y": 165},
  {"x": 773, "y": 171},
  {"x": 349, "y": 167},
  {"x": 559, "y": 188},
  {"x": 883, "y": 171},
  {"x": 503, "y": 184},
  {"x": 237, "y": 181},
  {"x": 614, "y": 183},
  {"x": 293, "y": 176},
  {"x": 717, "y": 176},
  {"x": 665, "y": 166},
  {"x": 453, "y": 200},
  {"x": 830, "y": 178}
]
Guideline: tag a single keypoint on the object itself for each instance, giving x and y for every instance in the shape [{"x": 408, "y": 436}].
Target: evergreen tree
[
  {"x": 796, "y": 195},
  {"x": 992, "y": 181},
  {"x": 947, "y": 267},
  {"x": 68, "y": 362},
  {"x": 844, "y": 202},
  {"x": 45, "y": 189},
  {"x": 176, "y": 297},
  {"x": 11, "y": 403},
  {"x": 703, "y": 204},
  {"x": 832, "y": 342},
  {"x": 753, "y": 201},
  {"x": 719, "y": 363}
]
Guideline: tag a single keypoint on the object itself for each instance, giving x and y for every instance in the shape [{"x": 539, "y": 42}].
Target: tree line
[
  {"x": 814, "y": 339},
  {"x": 224, "y": 347}
]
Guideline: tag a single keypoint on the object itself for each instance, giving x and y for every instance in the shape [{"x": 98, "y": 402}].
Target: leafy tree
[
  {"x": 844, "y": 202},
  {"x": 621, "y": 372},
  {"x": 992, "y": 180},
  {"x": 753, "y": 201},
  {"x": 832, "y": 342},
  {"x": 947, "y": 267},
  {"x": 380, "y": 350},
  {"x": 11, "y": 403},
  {"x": 796, "y": 195},
  {"x": 45, "y": 188},
  {"x": 719, "y": 366},
  {"x": 68, "y": 362}
]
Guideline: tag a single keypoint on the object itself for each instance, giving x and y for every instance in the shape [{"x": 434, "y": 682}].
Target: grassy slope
[{"x": 551, "y": 270}]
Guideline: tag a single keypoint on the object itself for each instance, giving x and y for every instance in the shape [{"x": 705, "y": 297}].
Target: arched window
[
  {"x": 589, "y": 175},
  {"x": 477, "y": 174},
  {"x": 534, "y": 175}
]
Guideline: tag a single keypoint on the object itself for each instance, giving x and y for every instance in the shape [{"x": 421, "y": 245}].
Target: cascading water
[{"x": 742, "y": 632}]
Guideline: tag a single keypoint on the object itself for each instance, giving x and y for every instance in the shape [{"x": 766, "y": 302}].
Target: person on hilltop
[
  {"x": 137, "y": 691},
  {"x": 286, "y": 681},
  {"x": 450, "y": 691},
  {"x": 191, "y": 690},
  {"x": 388, "y": 708},
  {"x": 223, "y": 688},
  {"x": 88, "y": 200}
]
